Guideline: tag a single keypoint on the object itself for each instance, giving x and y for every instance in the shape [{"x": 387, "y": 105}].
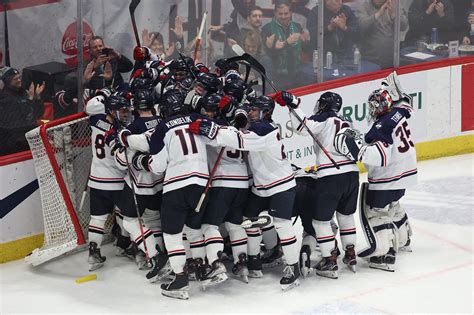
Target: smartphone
[{"x": 106, "y": 51}]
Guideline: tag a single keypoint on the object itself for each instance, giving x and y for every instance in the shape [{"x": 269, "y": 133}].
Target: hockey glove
[
  {"x": 141, "y": 162},
  {"x": 241, "y": 118},
  {"x": 348, "y": 142},
  {"x": 204, "y": 127},
  {"x": 285, "y": 98},
  {"x": 105, "y": 92},
  {"x": 121, "y": 137},
  {"x": 194, "y": 100},
  {"x": 141, "y": 53}
]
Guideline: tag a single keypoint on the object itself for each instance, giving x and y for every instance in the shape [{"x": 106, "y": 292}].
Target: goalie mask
[
  {"x": 379, "y": 103},
  {"x": 328, "y": 101},
  {"x": 120, "y": 108}
]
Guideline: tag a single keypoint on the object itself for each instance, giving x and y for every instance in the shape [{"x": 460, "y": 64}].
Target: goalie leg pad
[
  {"x": 402, "y": 225},
  {"x": 377, "y": 227}
]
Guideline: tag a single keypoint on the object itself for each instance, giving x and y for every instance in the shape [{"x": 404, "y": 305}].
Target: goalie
[{"x": 390, "y": 157}]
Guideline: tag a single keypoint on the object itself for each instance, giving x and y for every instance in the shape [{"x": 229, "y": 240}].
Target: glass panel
[
  {"x": 44, "y": 54},
  {"x": 432, "y": 24},
  {"x": 353, "y": 37}
]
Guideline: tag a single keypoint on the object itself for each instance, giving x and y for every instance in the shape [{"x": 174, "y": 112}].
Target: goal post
[{"x": 62, "y": 156}]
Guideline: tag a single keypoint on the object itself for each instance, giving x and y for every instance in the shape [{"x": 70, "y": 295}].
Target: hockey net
[{"x": 62, "y": 156}]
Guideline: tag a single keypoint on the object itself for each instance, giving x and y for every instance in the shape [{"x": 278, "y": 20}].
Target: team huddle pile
[{"x": 182, "y": 128}]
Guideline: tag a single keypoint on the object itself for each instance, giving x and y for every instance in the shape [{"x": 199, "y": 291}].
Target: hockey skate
[
  {"x": 190, "y": 269},
  {"x": 305, "y": 261},
  {"x": 96, "y": 260},
  {"x": 350, "y": 258},
  {"x": 327, "y": 267},
  {"x": 200, "y": 269},
  {"x": 291, "y": 273},
  {"x": 125, "y": 247},
  {"x": 240, "y": 269},
  {"x": 406, "y": 247},
  {"x": 385, "y": 262},
  {"x": 161, "y": 268},
  {"x": 216, "y": 275},
  {"x": 257, "y": 222},
  {"x": 272, "y": 257},
  {"x": 178, "y": 288},
  {"x": 254, "y": 266},
  {"x": 142, "y": 262}
]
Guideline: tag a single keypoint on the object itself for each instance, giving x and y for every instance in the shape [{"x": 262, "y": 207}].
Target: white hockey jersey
[
  {"x": 390, "y": 157},
  {"x": 145, "y": 183},
  {"x": 232, "y": 169},
  {"x": 271, "y": 170},
  {"x": 325, "y": 126},
  {"x": 174, "y": 149},
  {"x": 104, "y": 174}
]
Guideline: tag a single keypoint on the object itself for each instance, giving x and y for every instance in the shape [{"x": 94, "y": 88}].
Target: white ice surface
[{"x": 437, "y": 277}]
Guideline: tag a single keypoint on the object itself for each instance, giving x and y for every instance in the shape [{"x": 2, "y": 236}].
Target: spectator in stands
[
  {"x": 231, "y": 30},
  {"x": 468, "y": 38},
  {"x": 254, "y": 25},
  {"x": 424, "y": 15},
  {"x": 155, "y": 42},
  {"x": 20, "y": 110},
  {"x": 283, "y": 40},
  {"x": 340, "y": 29},
  {"x": 108, "y": 65},
  {"x": 376, "y": 22},
  {"x": 252, "y": 44}
]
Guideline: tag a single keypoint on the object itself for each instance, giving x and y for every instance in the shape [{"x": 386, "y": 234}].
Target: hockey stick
[
  {"x": 197, "y": 44},
  {"x": 252, "y": 61},
  {"x": 216, "y": 165},
  {"x": 133, "y": 5},
  {"x": 209, "y": 181}
]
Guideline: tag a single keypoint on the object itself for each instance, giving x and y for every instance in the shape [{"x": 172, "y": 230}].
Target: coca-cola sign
[{"x": 69, "y": 42}]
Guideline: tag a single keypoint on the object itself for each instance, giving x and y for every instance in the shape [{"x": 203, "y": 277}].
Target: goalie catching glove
[
  {"x": 348, "y": 142},
  {"x": 204, "y": 127},
  {"x": 285, "y": 98}
]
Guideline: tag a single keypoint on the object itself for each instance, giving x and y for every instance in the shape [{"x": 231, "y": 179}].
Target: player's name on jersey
[
  {"x": 103, "y": 125},
  {"x": 151, "y": 124},
  {"x": 179, "y": 121}
]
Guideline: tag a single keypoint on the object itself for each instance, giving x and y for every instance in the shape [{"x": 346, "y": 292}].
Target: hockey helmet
[
  {"x": 172, "y": 104},
  {"x": 379, "y": 103},
  {"x": 328, "y": 101},
  {"x": 265, "y": 104},
  {"x": 141, "y": 84},
  {"x": 120, "y": 108},
  {"x": 208, "y": 81},
  {"x": 144, "y": 99},
  {"x": 211, "y": 103},
  {"x": 235, "y": 87}
]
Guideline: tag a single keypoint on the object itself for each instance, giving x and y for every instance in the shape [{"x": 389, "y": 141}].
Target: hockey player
[
  {"x": 273, "y": 182},
  {"x": 336, "y": 189},
  {"x": 147, "y": 187},
  {"x": 390, "y": 157},
  {"x": 228, "y": 198},
  {"x": 106, "y": 181},
  {"x": 184, "y": 158}
]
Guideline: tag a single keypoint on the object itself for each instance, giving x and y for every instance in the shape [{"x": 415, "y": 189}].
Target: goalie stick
[{"x": 257, "y": 65}]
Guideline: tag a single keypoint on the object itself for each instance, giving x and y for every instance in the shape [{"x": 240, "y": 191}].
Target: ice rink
[{"x": 437, "y": 277}]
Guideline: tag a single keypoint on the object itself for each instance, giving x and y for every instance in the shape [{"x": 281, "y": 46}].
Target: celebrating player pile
[{"x": 203, "y": 160}]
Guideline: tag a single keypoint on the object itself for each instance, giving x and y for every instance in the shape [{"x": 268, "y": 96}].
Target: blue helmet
[
  {"x": 328, "y": 101},
  {"x": 172, "y": 104}
]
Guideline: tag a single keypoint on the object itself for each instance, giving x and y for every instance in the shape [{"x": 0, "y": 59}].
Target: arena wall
[{"x": 442, "y": 125}]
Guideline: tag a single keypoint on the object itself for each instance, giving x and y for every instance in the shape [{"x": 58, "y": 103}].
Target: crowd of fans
[{"x": 284, "y": 45}]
